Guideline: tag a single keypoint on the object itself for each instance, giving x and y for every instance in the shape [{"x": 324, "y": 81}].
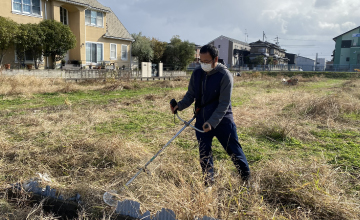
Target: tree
[
  {"x": 36, "y": 40},
  {"x": 21, "y": 43},
  {"x": 29, "y": 40},
  {"x": 158, "y": 48},
  {"x": 247, "y": 60},
  {"x": 179, "y": 54},
  {"x": 141, "y": 48},
  {"x": 270, "y": 61},
  {"x": 8, "y": 29},
  {"x": 259, "y": 60},
  {"x": 58, "y": 39}
]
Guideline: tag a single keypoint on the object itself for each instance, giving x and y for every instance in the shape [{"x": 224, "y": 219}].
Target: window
[
  {"x": 113, "y": 51},
  {"x": 63, "y": 16},
  {"x": 219, "y": 45},
  {"x": 124, "y": 52},
  {"x": 346, "y": 44},
  {"x": 94, "y": 52},
  {"x": 262, "y": 50},
  {"x": 94, "y": 18},
  {"x": 347, "y": 58},
  {"x": 28, "y": 57},
  {"x": 30, "y": 7}
]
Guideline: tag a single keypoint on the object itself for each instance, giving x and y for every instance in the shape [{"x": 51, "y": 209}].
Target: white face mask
[{"x": 206, "y": 67}]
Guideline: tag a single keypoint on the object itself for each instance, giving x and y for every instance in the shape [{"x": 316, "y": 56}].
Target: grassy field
[{"x": 302, "y": 143}]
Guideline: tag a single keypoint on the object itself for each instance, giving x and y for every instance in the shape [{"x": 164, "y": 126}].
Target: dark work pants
[{"x": 227, "y": 136}]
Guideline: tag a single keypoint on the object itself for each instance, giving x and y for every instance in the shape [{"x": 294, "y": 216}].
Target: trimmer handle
[
  {"x": 188, "y": 123},
  {"x": 173, "y": 103}
]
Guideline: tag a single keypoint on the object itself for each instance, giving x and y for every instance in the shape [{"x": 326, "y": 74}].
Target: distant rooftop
[
  {"x": 346, "y": 32},
  {"x": 232, "y": 40}
]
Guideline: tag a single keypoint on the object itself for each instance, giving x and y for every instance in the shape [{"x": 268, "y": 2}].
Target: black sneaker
[
  {"x": 245, "y": 176},
  {"x": 209, "y": 183}
]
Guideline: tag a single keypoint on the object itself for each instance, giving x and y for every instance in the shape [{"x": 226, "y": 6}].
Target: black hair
[{"x": 211, "y": 49}]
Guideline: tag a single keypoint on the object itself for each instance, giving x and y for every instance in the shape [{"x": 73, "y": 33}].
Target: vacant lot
[{"x": 302, "y": 143}]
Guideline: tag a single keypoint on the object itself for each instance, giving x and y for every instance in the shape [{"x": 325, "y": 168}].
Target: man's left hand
[{"x": 206, "y": 127}]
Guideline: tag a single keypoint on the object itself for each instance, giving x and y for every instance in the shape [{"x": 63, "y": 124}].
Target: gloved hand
[
  {"x": 173, "y": 106},
  {"x": 206, "y": 127}
]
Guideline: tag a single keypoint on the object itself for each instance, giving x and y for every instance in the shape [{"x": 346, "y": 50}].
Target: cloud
[
  {"x": 325, "y": 25},
  {"x": 348, "y": 25},
  {"x": 325, "y": 3},
  {"x": 201, "y": 21}
]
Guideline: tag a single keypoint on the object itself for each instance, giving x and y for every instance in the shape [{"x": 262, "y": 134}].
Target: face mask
[{"x": 206, "y": 67}]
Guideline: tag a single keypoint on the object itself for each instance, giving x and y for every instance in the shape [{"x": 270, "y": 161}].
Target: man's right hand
[
  {"x": 173, "y": 110},
  {"x": 173, "y": 106}
]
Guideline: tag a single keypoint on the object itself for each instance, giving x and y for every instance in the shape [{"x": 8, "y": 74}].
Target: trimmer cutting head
[{"x": 110, "y": 198}]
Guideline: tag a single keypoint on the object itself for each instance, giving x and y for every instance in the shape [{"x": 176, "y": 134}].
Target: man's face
[{"x": 206, "y": 58}]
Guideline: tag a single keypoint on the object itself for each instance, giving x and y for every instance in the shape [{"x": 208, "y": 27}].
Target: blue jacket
[{"x": 215, "y": 98}]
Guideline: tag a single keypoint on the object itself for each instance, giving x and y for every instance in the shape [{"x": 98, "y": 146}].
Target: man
[{"x": 211, "y": 86}]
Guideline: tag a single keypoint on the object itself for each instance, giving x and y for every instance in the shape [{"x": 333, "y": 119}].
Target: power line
[
  {"x": 298, "y": 45},
  {"x": 303, "y": 40}
]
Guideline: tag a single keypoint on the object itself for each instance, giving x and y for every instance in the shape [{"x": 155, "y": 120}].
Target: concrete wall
[
  {"x": 85, "y": 74},
  {"x": 174, "y": 73},
  {"x": 145, "y": 69},
  {"x": 38, "y": 73}
]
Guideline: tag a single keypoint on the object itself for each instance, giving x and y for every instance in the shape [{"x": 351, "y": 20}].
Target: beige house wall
[
  {"x": 6, "y": 11},
  {"x": 106, "y": 50},
  {"x": 75, "y": 27}
]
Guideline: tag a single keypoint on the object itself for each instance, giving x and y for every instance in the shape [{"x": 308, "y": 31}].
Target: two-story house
[
  {"x": 99, "y": 33},
  {"x": 266, "y": 49},
  {"x": 231, "y": 51},
  {"x": 347, "y": 48}
]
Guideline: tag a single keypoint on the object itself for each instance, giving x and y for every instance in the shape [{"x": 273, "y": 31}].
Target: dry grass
[
  {"x": 62, "y": 142},
  {"x": 30, "y": 85}
]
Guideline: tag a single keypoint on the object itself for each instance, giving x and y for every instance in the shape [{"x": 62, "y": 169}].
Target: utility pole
[
  {"x": 245, "y": 36},
  {"x": 263, "y": 36},
  {"x": 277, "y": 40}
]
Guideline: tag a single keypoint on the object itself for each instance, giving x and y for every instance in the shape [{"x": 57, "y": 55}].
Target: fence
[
  {"x": 248, "y": 67},
  {"x": 83, "y": 74},
  {"x": 342, "y": 68}
]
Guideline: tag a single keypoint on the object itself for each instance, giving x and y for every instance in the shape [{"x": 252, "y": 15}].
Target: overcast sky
[{"x": 304, "y": 27}]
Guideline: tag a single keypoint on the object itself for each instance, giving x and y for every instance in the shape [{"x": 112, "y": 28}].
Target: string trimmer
[{"x": 109, "y": 197}]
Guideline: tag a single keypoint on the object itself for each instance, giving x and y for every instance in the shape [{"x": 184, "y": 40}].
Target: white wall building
[
  {"x": 226, "y": 47},
  {"x": 306, "y": 64},
  {"x": 320, "y": 64}
]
